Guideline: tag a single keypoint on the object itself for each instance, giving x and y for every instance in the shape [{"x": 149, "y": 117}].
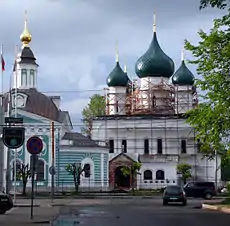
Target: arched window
[
  {"x": 160, "y": 175},
  {"x": 148, "y": 175},
  {"x": 18, "y": 169},
  {"x": 24, "y": 77},
  {"x": 87, "y": 170},
  {"x": 40, "y": 170},
  {"x": 32, "y": 78}
]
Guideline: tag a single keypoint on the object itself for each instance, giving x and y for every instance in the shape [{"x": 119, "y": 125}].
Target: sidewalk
[
  {"x": 42, "y": 202},
  {"x": 221, "y": 208},
  {"x": 21, "y": 216}
]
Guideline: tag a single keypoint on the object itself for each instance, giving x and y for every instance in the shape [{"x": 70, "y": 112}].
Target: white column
[{"x": 102, "y": 170}]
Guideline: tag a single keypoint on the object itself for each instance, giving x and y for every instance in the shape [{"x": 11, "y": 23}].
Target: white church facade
[{"x": 145, "y": 121}]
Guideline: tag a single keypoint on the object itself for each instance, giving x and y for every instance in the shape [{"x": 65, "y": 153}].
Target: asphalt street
[
  {"x": 115, "y": 212},
  {"x": 139, "y": 213}
]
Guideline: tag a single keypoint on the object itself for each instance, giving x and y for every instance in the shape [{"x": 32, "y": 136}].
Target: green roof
[
  {"x": 154, "y": 63},
  {"x": 117, "y": 77},
  {"x": 183, "y": 76}
]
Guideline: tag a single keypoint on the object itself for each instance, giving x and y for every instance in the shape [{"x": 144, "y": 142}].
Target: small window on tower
[
  {"x": 117, "y": 108},
  {"x": 32, "y": 78},
  {"x": 124, "y": 146},
  {"x": 24, "y": 77}
]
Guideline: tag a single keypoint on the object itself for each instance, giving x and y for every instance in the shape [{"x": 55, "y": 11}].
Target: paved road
[
  {"x": 113, "y": 212},
  {"x": 138, "y": 213}
]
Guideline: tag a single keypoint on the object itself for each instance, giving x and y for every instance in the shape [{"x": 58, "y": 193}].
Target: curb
[
  {"x": 26, "y": 205},
  {"x": 216, "y": 208}
]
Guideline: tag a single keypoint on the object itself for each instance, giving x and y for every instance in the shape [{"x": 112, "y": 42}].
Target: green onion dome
[
  {"x": 117, "y": 77},
  {"x": 183, "y": 76},
  {"x": 154, "y": 63}
]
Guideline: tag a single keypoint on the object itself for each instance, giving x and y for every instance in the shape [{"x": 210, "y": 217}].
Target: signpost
[
  {"x": 13, "y": 120},
  {"x": 34, "y": 147},
  {"x": 13, "y": 137}
]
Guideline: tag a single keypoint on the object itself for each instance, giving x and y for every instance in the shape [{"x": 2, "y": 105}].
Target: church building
[
  {"x": 38, "y": 111},
  {"x": 145, "y": 122}
]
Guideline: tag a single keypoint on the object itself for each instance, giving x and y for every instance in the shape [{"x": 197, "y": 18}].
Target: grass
[{"x": 226, "y": 201}]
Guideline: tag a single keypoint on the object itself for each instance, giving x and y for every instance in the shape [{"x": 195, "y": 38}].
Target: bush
[{"x": 228, "y": 188}]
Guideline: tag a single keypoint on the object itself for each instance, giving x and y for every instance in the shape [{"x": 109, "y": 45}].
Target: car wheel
[
  {"x": 165, "y": 203},
  {"x": 2, "y": 211},
  {"x": 208, "y": 196},
  {"x": 184, "y": 203}
]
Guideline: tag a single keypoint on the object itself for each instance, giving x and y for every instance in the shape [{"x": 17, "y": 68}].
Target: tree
[
  {"x": 132, "y": 171},
  {"x": 95, "y": 107},
  {"x": 75, "y": 170},
  {"x": 185, "y": 170},
  {"x": 210, "y": 118},
  {"x": 221, "y": 4},
  {"x": 23, "y": 173}
]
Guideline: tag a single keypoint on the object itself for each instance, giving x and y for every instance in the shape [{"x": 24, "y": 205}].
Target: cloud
[{"x": 74, "y": 40}]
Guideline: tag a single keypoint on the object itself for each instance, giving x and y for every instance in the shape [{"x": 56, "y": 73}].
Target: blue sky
[{"x": 74, "y": 40}]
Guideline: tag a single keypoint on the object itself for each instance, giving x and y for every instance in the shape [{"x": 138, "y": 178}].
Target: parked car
[
  {"x": 204, "y": 190},
  {"x": 174, "y": 194},
  {"x": 6, "y": 202}
]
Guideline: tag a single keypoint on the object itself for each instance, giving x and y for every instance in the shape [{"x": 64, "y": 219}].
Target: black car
[
  {"x": 204, "y": 190},
  {"x": 6, "y": 202},
  {"x": 174, "y": 194}
]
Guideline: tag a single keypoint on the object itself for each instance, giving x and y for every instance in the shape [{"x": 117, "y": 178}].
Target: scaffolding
[
  {"x": 162, "y": 98},
  {"x": 158, "y": 110}
]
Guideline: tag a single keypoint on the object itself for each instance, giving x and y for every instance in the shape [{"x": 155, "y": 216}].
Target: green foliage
[
  {"x": 185, "y": 170},
  {"x": 23, "y": 173},
  {"x": 75, "y": 170},
  {"x": 221, "y": 4},
  {"x": 95, "y": 107},
  {"x": 228, "y": 188},
  {"x": 131, "y": 171},
  {"x": 135, "y": 168},
  {"x": 211, "y": 119}
]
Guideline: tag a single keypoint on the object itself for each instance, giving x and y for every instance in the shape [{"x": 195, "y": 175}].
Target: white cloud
[
  {"x": 74, "y": 41},
  {"x": 75, "y": 106}
]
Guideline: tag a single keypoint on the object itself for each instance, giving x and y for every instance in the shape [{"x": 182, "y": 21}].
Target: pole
[
  {"x": 32, "y": 190},
  {"x": 52, "y": 171},
  {"x": 9, "y": 112},
  {"x": 2, "y": 119},
  {"x": 15, "y": 113},
  {"x": 2, "y": 62},
  {"x": 216, "y": 181}
]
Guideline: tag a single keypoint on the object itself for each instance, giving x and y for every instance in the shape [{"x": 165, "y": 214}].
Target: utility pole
[{"x": 52, "y": 171}]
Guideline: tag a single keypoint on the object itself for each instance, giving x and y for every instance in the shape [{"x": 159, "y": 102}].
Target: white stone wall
[
  {"x": 184, "y": 99},
  {"x": 116, "y": 100},
  {"x": 171, "y": 131}
]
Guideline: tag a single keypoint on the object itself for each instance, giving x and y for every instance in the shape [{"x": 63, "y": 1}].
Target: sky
[{"x": 74, "y": 41}]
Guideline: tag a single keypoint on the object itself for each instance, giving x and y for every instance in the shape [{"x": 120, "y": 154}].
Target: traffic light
[{"x": 13, "y": 137}]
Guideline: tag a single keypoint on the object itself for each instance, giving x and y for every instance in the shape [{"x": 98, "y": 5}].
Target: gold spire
[
  {"x": 117, "y": 53},
  {"x": 183, "y": 55},
  {"x": 25, "y": 36},
  {"x": 154, "y": 22}
]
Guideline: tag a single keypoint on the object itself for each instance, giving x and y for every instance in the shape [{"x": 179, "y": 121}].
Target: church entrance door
[{"x": 121, "y": 181}]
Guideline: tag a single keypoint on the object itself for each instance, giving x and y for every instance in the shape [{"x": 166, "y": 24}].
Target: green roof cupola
[
  {"x": 117, "y": 76},
  {"x": 183, "y": 76},
  {"x": 154, "y": 62}
]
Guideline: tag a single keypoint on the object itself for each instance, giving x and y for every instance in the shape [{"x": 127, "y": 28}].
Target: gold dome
[{"x": 25, "y": 37}]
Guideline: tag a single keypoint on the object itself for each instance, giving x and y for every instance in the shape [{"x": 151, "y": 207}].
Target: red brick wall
[{"x": 114, "y": 163}]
